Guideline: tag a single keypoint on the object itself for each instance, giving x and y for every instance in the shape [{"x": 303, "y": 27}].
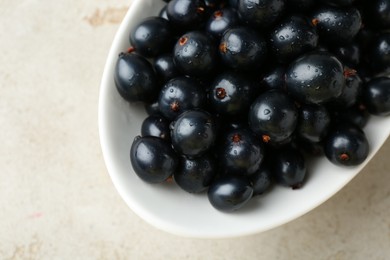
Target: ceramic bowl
[{"x": 169, "y": 208}]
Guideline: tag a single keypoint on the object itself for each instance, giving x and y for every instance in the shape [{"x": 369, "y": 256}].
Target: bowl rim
[{"x": 134, "y": 205}]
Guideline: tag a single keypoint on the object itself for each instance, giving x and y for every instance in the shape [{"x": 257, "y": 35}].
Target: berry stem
[
  {"x": 223, "y": 47},
  {"x": 218, "y": 14},
  {"x": 236, "y": 138},
  {"x": 183, "y": 40},
  {"x": 344, "y": 157},
  {"x": 130, "y": 49},
  {"x": 220, "y": 93},
  {"x": 175, "y": 106},
  {"x": 266, "y": 138},
  {"x": 349, "y": 73}
]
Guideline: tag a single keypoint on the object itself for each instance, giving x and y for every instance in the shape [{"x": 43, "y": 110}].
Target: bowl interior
[{"x": 166, "y": 206}]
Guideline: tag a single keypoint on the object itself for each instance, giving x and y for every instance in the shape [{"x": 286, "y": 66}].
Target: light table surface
[{"x": 57, "y": 200}]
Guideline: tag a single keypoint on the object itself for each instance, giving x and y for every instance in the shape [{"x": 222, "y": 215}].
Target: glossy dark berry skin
[
  {"x": 289, "y": 167},
  {"x": 231, "y": 94},
  {"x": 273, "y": 116},
  {"x": 274, "y": 79},
  {"x": 346, "y": 145},
  {"x": 356, "y": 115},
  {"x": 338, "y": 2},
  {"x": 365, "y": 72},
  {"x": 316, "y": 77},
  {"x": 180, "y": 94},
  {"x": 194, "y": 175},
  {"x": 376, "y": 96},
  {"x": 233, "y": 3},
  {"x": 165, "y": 67},
  {"x": 337, "y": 25},
  {"x": 213, "y": 3},
  {"x": 152, "y": 36},
  {"x": 195, "y": 54},
  {"x": 243, "y": 49},
  {"x": 135, "y": 78},
  {"x": 240, "y": 152},
  {"x": 309, "y": 148},
  {"x": 153, "y": 159},
  {"x": 313, "y": 122},
  {"x": 379, "y": 56},
  {"x": 364, "y": 39},
  {"x": 300, "y": 5},
  {"x": 351, "y": 92},
  {"x": 292, "y": 37},
  {"x": 220, "y": 21},
  {"x": 378, "y": 13},
  {"x": 348, "y": 54},
  {"x": 261, "y": 180},
  {"x": 186, "y": 14},
  {"x": 230, "y": 193},
  {"x": 156, "y": 125},
  {"x": 193, "y": 133},
  {"x": 260, "y": 13},
  {"x": 152, "y": 108}
]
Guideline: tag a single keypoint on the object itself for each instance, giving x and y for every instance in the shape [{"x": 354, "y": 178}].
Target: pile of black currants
[{"x": 240, "y": 93}]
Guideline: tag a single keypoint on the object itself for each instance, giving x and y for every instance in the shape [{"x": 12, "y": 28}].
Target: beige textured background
[{"x": 57, "y": 201}]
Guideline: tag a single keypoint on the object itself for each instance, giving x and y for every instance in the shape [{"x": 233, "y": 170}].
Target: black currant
[
  {"x": 316, "y": 77},
  {"x": 153, "y": 159},
  {"x": 242, "y": 48},
  {"x": 378, "y": 13},
  {"x": 231, "y": 94},
  {"x": 260, "y": 13},
  {"x": 186, "y": 14},
  {"x": 195, "y": 54},
  {"x": 193, "y": 133},
  {"x": 165, "y": 67},
  {"x": 351, "y": 92},
  {"x": 152, "y": 36},
  {"x": 356, "y": 114},
  {"x": 135, "y": 78},
  {"x": 194, "y": 175},
  {"x": 274, "y": 79},
  {"x": 292, "y": 37},
  {"x": 240, "y": 152},
  {"x": 348, "y": 54},
  {"x": 313, "y": 122},
  {"x": 346, "y": 145},
  {"x": 230, "y": 193},
  {"x": 221, "y": 20},
  {"x": 379, "y": 54},
  {"x": 337, "y": 25},
  {"x": 156, "y": 125},
  {"x": 288, "y": 167},
  {"x": 261, "y": 179},
  {"x": 376, "y": 96},
  {"x": 152, "y": 108},
  {"x": 180, "y": 94},
  {"x": 273, "y": 116}
]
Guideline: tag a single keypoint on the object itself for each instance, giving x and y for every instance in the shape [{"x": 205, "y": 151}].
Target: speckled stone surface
[{"x": 57, "y": 200}]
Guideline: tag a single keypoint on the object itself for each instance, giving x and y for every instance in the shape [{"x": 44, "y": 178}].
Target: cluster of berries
[{"x": 240, "y": 93}]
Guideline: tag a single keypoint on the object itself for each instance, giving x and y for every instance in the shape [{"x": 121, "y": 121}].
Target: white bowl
[{"x": 166, "y": 206}]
